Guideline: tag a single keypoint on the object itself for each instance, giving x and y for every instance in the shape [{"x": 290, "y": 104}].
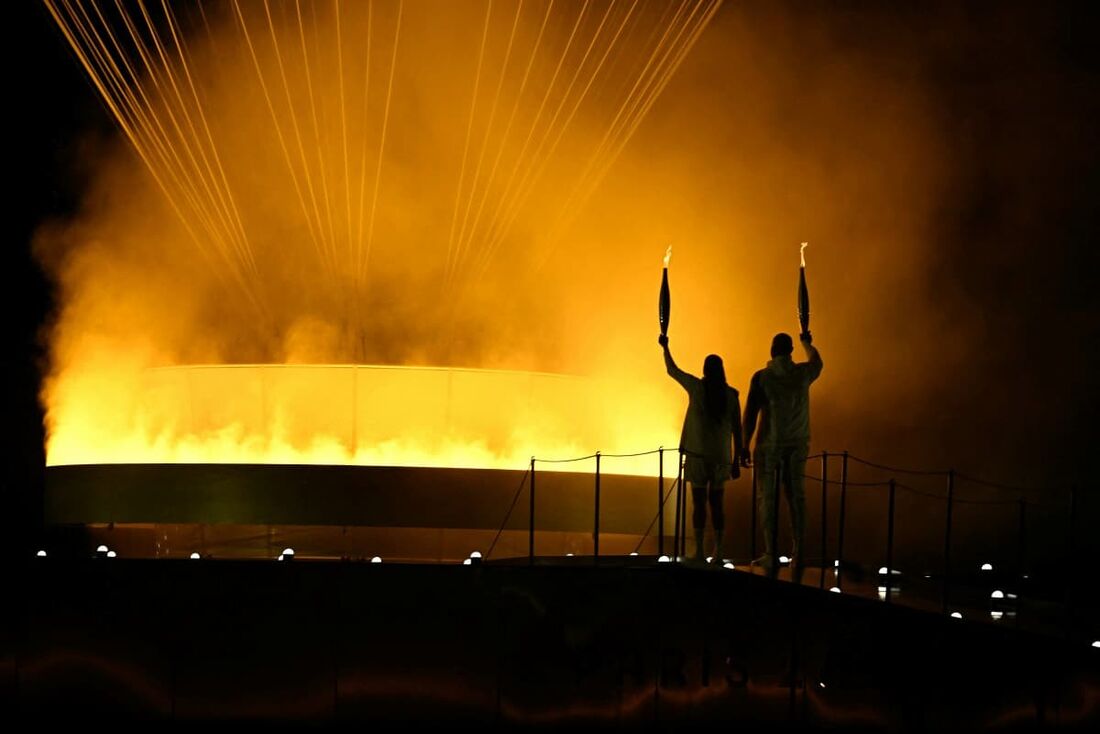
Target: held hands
[
  {"x": 663, "y": 341},
  {"x": 746, "y": 458}
]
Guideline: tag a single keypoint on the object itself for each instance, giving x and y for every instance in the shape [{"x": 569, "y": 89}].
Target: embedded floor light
[
  {"x": 664, "y": 559},
  {"x": 475, "y": 554},
  {"x": 882, "y": 592},
  {"x": 836, "y": 564},
  {"x": 956, "y": 615},
  {"x": 784, "y": 559},
  {"x": 111, "y": 554},
  {"x": 835, "y": 589},
  {"x": 634, "y": 553},
  {"x": 101, "y": 550},
  {"x": 728, "y": 565},
  {"x": 997, "y": 594},
  {"x": 41, "y": 554},
  {"x": 710, "y": 559},
  {"x": 376, "y": 559},
  {"x": 1096, "y": 643},
  {"x": 289, "y": 553},
  {"x": 568, "y": 555},
  {"x": 987, "y": 566},
  {"x": 468, "y": 562},
  {"x": 195, "y": 556},
  {"x": 821, "y": 684},
  {"x": 996, "y": 615}
]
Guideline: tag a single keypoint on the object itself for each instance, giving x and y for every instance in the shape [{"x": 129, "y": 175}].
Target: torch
[
  {"x": 664, "y": 306},
  {"x": 803, "y": 293}
]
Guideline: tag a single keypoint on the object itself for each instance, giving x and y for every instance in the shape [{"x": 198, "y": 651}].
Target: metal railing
[{"x": 891, "y": 487}]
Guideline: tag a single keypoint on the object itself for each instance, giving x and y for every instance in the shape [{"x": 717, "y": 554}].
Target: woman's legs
[{"x": 699, "y": 516}]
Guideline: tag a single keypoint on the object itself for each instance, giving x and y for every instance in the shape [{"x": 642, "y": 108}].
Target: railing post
[
  {"x": 773, "y": 570},
  {"x": 1021, "y": 559},
  {"x": 596, "y": 518},
  {"x": 843, "y": 509},
  {"x": 947, "y": 540},
  {"x": 679, "y": 502},
  {"x": 890, "y": 542},
  {"x": 683, "y": 514},
  {"x": 824, "y": 514},
  {"x": 752, "y": 531},
  {"x": 531, "y": 520},
  {"x": 661, "y": 501}
]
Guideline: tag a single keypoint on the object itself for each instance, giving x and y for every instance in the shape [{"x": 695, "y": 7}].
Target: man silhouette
[{"x": 779, "y": 395}]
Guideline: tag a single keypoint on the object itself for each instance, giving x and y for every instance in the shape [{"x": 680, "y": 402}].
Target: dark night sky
[{"x": 1016, "y": 87}]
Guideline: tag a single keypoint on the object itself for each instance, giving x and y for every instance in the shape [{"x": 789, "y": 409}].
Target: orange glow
[
  {"x": 469, "y": 196},
  {"x": 347, "y": 414},
  {"x": 325, "y": 185}
]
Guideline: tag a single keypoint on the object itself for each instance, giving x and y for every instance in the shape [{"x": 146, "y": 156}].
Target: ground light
[
  {"x": 956, "y": 615},
  {"x": 41, "y": 554},
  {"x": 111, "y": 554},
  {"x": 784, "y": 559},
  {"x": 376, "y": 559},
  {"x": 835, "y": 589},
  {"x": 664, "y": 559},
  {"x": 728, "y": 565},
  {"x": 997, "y": 594},
  {"x": 987, "y": 567},
  {"x": 195, "y": 556}
]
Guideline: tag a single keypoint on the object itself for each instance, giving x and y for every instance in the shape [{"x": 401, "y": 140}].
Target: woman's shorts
[{"x": 702, "y": 472}]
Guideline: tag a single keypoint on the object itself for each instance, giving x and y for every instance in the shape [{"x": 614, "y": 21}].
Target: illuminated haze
[{"x": 772, "y": 132}]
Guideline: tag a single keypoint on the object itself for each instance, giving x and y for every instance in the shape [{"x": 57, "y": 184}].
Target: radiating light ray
[
  {"x": 382, "y": 139},
  {"x": 469, "y": 135},
  {"x": 619, "y": 142},
  {"x": 320, "y": 147},
  {"x": 314, "y": 235},
  {"x": 492, "y": 117},
  {"x": 307, "y": 175},
  {"x": 532, "y": 175},
  {"x": 538, "y": 115},
  {"x": 507, "y": 128}
]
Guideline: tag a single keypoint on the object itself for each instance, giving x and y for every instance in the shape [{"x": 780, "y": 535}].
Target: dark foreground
[{"x": 631, "y": 643}]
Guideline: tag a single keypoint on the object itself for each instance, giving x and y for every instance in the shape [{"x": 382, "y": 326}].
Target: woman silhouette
[{"x": 712, "y": 422}]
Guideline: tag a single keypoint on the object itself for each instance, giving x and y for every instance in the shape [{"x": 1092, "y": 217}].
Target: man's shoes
[{"x": 767, "y": 562}]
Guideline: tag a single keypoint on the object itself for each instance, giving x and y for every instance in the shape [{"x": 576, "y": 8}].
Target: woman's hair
[{"x": 715, "y": 388}]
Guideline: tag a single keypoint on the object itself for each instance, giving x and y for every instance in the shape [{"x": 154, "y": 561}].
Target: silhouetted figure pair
[
  {"x": 712, "y": 422},
  {"x": 779, "y": 399}
]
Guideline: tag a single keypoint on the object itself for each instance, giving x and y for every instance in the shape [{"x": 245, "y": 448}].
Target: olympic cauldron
[{"x": 355, "y": 461}]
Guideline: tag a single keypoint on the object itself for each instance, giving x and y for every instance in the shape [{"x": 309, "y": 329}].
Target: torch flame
[
  {"x": 802, "y": 253},
  {"x": 668, "y": 255}
]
